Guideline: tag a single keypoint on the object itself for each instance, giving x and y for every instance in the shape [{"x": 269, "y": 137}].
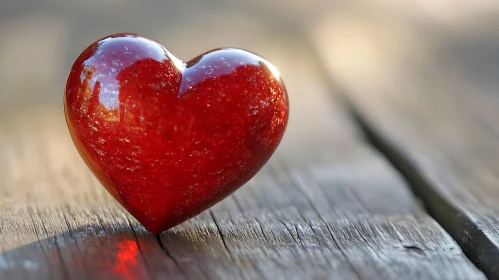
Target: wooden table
[{"x": 388, "y": 170}]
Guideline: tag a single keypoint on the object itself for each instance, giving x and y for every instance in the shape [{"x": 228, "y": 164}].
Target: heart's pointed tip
[
  {"x": 155, "y": 228},
  {"x": 157, "y": 232}
]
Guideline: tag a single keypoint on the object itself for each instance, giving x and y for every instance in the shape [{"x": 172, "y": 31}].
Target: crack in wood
[
  {"x": 65, "y": 269},
  {"x": 138, "y": 246},
  {"x": 342, "y": 252},
  {"x": 220, "y": 234},
  {"x": 37, "y": 233},
  {"x": 161, "y": 245}
]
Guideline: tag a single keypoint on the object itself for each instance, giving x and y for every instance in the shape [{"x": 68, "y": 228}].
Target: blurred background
[
  {"x": 362, "y": 41},
  {"x": 426, "y": 47}
]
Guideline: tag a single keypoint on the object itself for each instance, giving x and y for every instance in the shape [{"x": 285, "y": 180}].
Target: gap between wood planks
[
  {"x": 435, "y": 204},
  {"x": 441, "y": 210}
]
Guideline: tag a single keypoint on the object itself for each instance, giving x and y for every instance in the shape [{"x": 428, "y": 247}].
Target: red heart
[{"x": 167, "y": 139}]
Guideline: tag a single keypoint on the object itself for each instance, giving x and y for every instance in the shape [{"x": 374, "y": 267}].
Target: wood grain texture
[
  {"x": 326, "y": 206},
  {"x": 435, "y": 118}
]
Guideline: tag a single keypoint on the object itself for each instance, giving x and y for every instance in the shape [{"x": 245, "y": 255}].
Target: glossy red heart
[{"x": 169, "y": 139}]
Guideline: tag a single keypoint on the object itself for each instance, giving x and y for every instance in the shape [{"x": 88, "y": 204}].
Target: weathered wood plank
[
  {"x": 326, "y": 206},
  {"x": 436, "y": 119}
]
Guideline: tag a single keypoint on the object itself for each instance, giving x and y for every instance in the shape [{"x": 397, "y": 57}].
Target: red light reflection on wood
[{"x": 126, "y": 260}]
